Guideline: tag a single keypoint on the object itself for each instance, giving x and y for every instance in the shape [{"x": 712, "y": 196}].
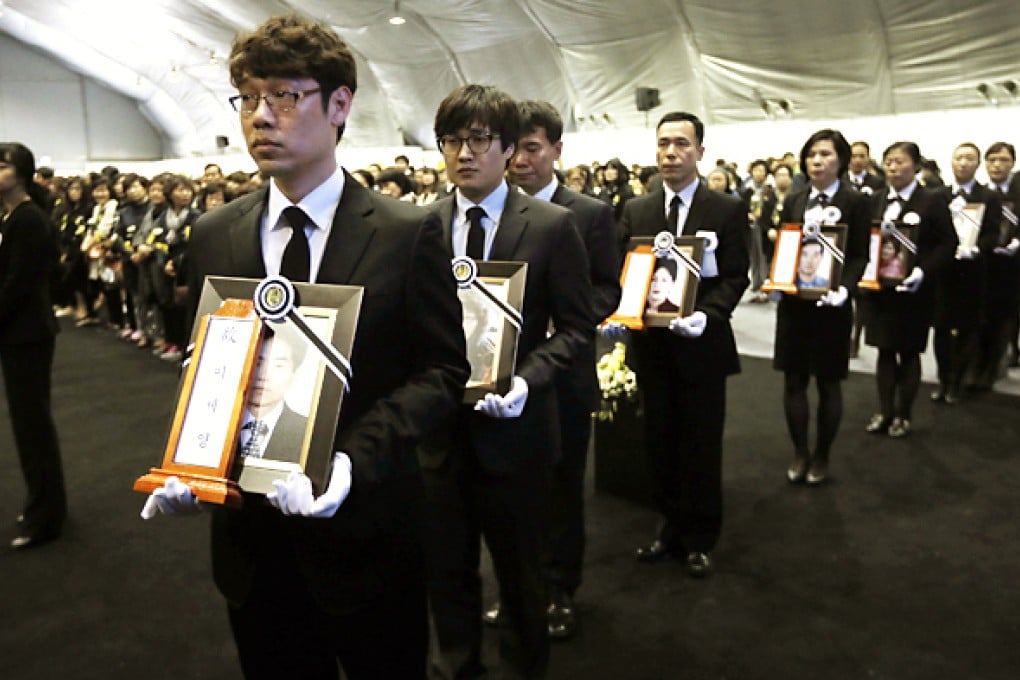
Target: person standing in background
[{"x": 28, "y": 254}]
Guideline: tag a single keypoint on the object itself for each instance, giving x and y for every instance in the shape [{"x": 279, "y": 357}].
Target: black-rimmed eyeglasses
[
  {"x": 280, "y": 101},
  {"x": 477, "y": 142}
]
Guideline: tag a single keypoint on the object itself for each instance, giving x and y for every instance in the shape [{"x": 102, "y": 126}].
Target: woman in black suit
[
  {"x": 813, "y": 336},
  {"x": 898, "y": 318},
  {"x": 28, "y": 254}
]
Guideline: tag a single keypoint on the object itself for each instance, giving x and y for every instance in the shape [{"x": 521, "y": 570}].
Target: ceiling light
[{"x": 397, "y": 19}]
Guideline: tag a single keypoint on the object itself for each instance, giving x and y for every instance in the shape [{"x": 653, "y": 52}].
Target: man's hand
[
  {"x": 1009, "y": 249},
  {"x": 293, "y": 496},
  {"x": 510, "y": 405},
  {"x": 912, "y": 282},
  {"x": 173, "y": 498},
  {"x": 612, "y": 330},
  {"x": 965, "y": 253},
  {"x": 689, "y": 326},
  {"x": 834, "y": 298}
]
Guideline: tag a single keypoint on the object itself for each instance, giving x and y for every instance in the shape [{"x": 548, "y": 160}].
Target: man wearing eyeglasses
[
  {"x": 488, "y": 475},
  {"x": 337, "y": 580}
]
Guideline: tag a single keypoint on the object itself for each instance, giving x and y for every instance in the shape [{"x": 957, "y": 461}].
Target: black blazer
[
  {"x": 28, "y": 254},
  {"x": 409, "y": 370},
  {"x": 873, "y": 182},
  {"x": 856, "y": 209},
  {"x": 594, "y": 221},
  {"x": 714, "y": 354},
  {"x": 288, "y": 435},
  {"x": 557, "y": 292}
]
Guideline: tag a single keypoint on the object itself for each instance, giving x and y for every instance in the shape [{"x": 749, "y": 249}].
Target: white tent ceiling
[{"x": 727, "y": 60}]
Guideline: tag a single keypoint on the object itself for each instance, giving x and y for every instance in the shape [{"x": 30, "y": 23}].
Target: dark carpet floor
[{"x": 905, "y": 566}]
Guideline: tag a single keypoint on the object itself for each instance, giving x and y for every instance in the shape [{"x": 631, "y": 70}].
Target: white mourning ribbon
[
  {"x": 276, "y": 300},
  {"x": 465, "y": 272},
  {"x": 1009, "y": 216},
  {"x": 665, "y": 245},
  {"x": 889, "y": 229}
]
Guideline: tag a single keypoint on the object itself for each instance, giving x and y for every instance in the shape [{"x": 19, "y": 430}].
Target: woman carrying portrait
[
  {"x": 897, "y": 318},
  {"x": 812, "y": 337}
]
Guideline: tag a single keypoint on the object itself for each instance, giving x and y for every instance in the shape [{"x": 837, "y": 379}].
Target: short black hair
[
  {"x": 838, "y": 142},
  {"x": 538, "y": 114},
  {"x": 676, "y": 116},
  {"x": 1001, "y": 146},
  {"x": 483, "y": 105},
  {"x": 909, "y": 148}
]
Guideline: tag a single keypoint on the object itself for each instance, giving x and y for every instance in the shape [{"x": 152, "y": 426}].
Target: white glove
[
  {"x": 510, "y": 405},
  {"x": 965, "y": 253},
  {"x": 173, "y": 498},
  {"x": 912, "y": 282},
  {"x": 612, "y": 330},
  {"x": 293, "y": 496},
  {"x": 689, "y": 326},
  {"x": 1009, "y": 249},
  {"x": 834, "y": 298}
]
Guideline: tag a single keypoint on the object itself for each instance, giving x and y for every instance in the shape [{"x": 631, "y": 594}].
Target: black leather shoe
[
  {"x": 699, "y": 564},
  {"x": 878, "y": 424},
  {"x": 818, "y": 472},
  {"x": 561, "y": 617},
  {"x": 656, "y": 552},
  {"x": 23, "y": 542},
  {"x": 939, "y": 394},
  {"x": 952, "y": 396},
  {"x": 491, "y": 615},
  {"x": 900, "y": 427},
  {"x": 798, "y": 468}
]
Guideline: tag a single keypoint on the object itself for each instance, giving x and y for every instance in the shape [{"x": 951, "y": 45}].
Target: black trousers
[
  {"x": 280, "y": 632},
  {"x": 684, "y": 430},
  {"x": 27, "y": 377},
  {"x": 464, "y": 504},
  {"x": 955, "y": 352},
  {"x": 565, "y": 538}
]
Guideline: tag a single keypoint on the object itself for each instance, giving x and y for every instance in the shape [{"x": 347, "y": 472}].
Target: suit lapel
[
  {"x": 696, "y": 213},
  {"x": 512, "y": 225},
  {"x": 444, "y": 207},
  {"x": 246, "y": 239},
  {"x": 350, "y": 235}
]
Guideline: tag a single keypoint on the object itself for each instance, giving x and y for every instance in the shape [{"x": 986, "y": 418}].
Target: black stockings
[
  {"x": 897, "y": 372},
  {"x": 830, "y": 412}
]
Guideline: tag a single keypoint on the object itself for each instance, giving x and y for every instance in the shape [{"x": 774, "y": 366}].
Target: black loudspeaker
[
  {"x": 646, "y": 98},
  {"x": 222, "y": 142}
]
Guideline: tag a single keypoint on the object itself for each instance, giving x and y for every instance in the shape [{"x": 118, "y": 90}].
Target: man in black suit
[
  {"x": 313, "y": 582},
  {"x": 682, "y": 369},
  {"x": 489, "y": 475},
  {"x": 532, "y": 169},
  {"x": 1001, "y": 318},
  {"x": 857, "y": 175},
  {"x": 961, "y": 289}
]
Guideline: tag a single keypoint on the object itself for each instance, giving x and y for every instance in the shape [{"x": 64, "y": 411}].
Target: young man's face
[
  {"x": 274, "y": 373},
  {"x": 678, "y": 153},
  {"x": 965, "y": 163},
  {"x": 999, "y": 164},
  {"x": 532, "y": 165},
  {"x": 810, "y": 258},
  {"x": 477, "y": 174},
  {"x": 301, "y": 142}
]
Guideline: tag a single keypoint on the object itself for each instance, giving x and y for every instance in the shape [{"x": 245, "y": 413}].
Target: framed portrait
[
  {"x": 292, "y": 400},
  {"x": 676, "y": 271},
  {"x": 892, "y": 252},
  {"x": 967, "y": 218},
  {"x": 635, "y": 279},
  {"x": 1008, "y": 224},
  {"x": 807, "y": 260},
  {"x": 491, "y": 302}
]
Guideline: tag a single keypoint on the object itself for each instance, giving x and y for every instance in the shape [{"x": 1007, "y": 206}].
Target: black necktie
[
  {"x": 296, "y": 264},
  {"x": 674, "y": 213},
  {"x": 476, "y": 234},
  {"x": 820, "y": 199}
]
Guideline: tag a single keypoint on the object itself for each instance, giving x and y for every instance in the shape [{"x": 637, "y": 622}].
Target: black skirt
[
  {"x": 899, "y": 321},
  {"x": 812, "y": 340}
]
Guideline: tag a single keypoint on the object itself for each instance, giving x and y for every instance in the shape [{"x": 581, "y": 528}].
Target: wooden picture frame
[
  {"x": 807, "y": 261},
  {"x": 1008, "y": 228},
  {"x": 673, "y": 284},
  {"x": 967, "y": 222},
  {"x": 635, "y": 279},
  {"x": 304, "y": 423},
  {"x": 892, "y": 252},
  {"x": 492, "y": 303}
]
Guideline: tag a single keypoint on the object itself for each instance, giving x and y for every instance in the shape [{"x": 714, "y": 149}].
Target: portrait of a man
[
  {"x": 812, "y": 269},
  {"x": 271, "y": 429}
]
